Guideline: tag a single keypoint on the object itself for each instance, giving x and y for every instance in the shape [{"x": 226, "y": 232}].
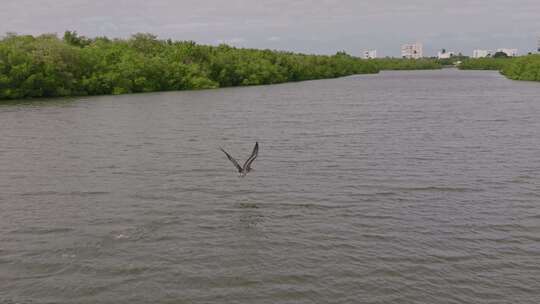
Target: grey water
[{"x": 401, "y": 187}]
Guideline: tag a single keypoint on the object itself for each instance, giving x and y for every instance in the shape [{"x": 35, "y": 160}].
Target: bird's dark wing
[
  {"x": 249, "y": 161},
  {"x": 235, "y": 163}
]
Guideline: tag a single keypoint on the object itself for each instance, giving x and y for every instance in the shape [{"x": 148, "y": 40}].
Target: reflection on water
[
  {"x": 40, "y": 102},
  {"x": 403, "y": 187}
]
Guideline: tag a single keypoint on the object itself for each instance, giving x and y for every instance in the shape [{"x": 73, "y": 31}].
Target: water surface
[{"x": 402, "y": 187}]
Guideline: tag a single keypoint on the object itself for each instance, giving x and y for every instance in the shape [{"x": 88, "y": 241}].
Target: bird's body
[{"x": 246, "y": 168}]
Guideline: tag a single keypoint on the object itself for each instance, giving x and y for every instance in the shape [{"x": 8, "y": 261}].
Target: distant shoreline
[
  {"x": 48, "y": 66},
  {"x": 525, "y": 68}
]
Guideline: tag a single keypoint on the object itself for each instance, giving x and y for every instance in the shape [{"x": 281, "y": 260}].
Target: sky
[{"x": 308, "y": 26}]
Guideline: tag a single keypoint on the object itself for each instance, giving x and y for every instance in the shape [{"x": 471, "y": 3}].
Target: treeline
[
  {"x": 47, "y": 66},
  {"x": 488, "y": 63},
  {"x": 517, "y": 68},
  {"x": 523, "y": 68}
]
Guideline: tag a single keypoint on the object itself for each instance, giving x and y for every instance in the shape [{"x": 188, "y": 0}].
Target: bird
[{"x": 246, "y": 168}]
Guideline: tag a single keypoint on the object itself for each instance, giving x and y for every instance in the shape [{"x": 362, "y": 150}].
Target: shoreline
[
  {"x": 68, "y": 98},
  {"x": 49, "y": 66}
]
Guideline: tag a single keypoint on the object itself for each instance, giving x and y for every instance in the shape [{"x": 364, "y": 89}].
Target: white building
[
  {"x": 412, "y": 51},
  {"x": 509, "y": 52},
  {"x": 444, "y": 54},
  {"x": 482, "y": 53},
  {"x": 370, "y": 54}
]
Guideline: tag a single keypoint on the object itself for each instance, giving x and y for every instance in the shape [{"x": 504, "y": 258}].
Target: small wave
[
  {"x": 315, "y": 206},
  {"x": 378, "y": 236},
  {"x": 155, "y": 197},
  {"x": 492, "y": 120},
  {"x": 533, "y": 194},
  {"x": 121, "y": 236},
  {"x": 249, "y": 206},
  {"x": 39, "y": 193},
  {"x": 449, "y": 255},
  {"x": 40, "y": 230},
  {"x": 373, "y": 194},
  {"x": 72, "y": 193},
  {"x": 438, "y": 189},
  {"x": 87, "y": 193},
  {"x": 380, "y": 217},
  {"x": 522, "y": 179}
]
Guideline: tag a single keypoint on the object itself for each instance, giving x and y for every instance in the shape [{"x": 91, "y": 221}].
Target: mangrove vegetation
[
  {"x": 487, "y": 63},
  {"x": 517, "y": 68},
  {"x": 523, "y": 68},
  {"x": 74, "y": 65},
  {"x": 47, "y": 66}
]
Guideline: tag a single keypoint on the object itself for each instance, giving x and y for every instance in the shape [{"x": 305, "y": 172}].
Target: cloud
[{"x": 313, "y": 26}]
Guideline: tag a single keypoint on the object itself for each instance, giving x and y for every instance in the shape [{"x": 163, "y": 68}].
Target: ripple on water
[{"x": 401, "y": 187}]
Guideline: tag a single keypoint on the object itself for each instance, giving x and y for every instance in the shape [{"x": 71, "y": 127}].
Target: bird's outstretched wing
[
  {"x": 249, "y": 161},
  {"x": 235, "y": 163}
]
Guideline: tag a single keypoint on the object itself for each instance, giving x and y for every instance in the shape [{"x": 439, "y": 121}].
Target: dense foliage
[
  {"x": 523, "y": 68},
  {"x": 500, "y": 55},
  {"x": 453, "y": 61},
  {"x": 517, "y": 68},
  {"x": 46, "y": 66},
  {"x": 487, "y": 63}
]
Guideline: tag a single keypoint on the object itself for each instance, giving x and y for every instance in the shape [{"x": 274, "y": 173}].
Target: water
[{"x": 403, "y": 187}]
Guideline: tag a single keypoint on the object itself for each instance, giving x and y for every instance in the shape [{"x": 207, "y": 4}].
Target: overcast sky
[{"x": 316, "y": 26}]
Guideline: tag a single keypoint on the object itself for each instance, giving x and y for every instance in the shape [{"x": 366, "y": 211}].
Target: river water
[{"x": 402, "y": 187}]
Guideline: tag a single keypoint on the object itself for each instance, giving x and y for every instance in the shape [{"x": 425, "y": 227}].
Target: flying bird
[{"x": 243, "y": 170}]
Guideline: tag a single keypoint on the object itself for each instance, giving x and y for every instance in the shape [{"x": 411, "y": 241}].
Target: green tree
[
  {"x": 46, "y": 66},
  {"x": 500, "y": 55}
]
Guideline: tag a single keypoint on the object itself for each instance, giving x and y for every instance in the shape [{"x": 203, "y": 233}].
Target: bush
[
  {"x": 523, "y": 68},
  {"x": 46, "y": 66}
]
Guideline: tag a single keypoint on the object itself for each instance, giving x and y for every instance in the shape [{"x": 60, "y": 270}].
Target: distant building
[
  {"x": 444, "y": 54},
  {"x": 538, "y": 46},
  {"x": 509, "y": 52},
  {"x": 370, "y": 54},
  {"x": 412, "y": 51},
  {"x": 482, "y": 53}
]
